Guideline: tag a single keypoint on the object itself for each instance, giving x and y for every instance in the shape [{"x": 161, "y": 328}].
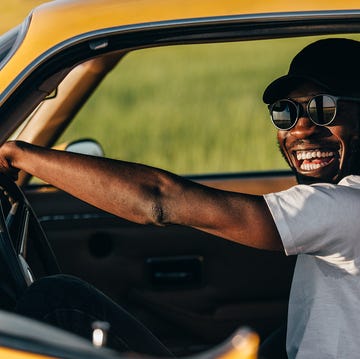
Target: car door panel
[{"x": 186, "y": 285}]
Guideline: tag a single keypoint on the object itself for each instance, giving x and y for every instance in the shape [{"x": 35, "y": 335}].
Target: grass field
[{"x": 190, "y": 109}]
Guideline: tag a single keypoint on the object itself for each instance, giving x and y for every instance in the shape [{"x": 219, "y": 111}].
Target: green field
[{"x": 190, "y": 109}]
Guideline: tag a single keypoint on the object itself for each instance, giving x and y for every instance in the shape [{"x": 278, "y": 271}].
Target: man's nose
[{"x": 304, "y": 127}]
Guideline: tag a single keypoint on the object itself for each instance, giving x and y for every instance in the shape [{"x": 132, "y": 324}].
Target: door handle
[{"x": 175, "y": 271}]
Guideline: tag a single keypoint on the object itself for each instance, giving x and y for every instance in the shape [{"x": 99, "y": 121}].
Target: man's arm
[{"x": 147, "y": 195}]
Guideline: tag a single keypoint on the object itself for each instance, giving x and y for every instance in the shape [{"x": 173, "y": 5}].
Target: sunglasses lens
[
  {"x": 322, "y": 109},
  {"x": 283, "y": 114}
]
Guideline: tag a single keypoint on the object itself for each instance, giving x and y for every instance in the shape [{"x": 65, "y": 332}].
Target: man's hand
[{"x": 6, "y": 166}]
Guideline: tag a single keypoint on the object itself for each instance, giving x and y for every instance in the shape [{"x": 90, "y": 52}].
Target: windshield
[{"x": 11, "y": 40}]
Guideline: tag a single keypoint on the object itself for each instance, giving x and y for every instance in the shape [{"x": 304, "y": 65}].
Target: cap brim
[{"x": 282, "y": 86}]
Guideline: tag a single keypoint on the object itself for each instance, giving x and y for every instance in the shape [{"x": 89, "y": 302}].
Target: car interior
[{"x": 192, "y": 289}]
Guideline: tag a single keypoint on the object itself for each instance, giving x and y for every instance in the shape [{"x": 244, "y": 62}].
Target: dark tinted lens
[
  {"x": 322, "y": 109},
  {"x": 283, "y": 114}
]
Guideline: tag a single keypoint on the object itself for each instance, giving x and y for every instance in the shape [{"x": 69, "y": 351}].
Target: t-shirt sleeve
[{"x": 322, "y": 220}]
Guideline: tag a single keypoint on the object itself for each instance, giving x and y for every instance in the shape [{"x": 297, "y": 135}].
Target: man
[{"x": 316, "y": 108}]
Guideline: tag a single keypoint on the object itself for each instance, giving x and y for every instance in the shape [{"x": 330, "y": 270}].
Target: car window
[{"x": 190, "y": 109}]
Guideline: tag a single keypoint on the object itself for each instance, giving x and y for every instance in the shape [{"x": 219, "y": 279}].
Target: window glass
[{"x": 190, "y": 109}]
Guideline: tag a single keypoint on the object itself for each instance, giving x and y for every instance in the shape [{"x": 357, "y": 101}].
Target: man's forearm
[
  {"x": 113, "y": 186},
  {"x": 146, "y": 195}
]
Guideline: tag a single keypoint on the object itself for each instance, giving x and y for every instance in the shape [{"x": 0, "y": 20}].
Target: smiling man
[
  {"x": 316, "y": 110},
  {"x": 310, "y": 106}
]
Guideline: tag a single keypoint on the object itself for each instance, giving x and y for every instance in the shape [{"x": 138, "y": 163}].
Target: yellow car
[{"x": 174, "y": 84}]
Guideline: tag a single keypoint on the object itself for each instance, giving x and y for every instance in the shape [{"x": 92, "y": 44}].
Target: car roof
[{"x": 55, "y": 22}]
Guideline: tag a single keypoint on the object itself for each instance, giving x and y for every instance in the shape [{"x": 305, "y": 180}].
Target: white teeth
[
  {"x": 312, "y": 166},
  {"x": 307, "y": 155}
]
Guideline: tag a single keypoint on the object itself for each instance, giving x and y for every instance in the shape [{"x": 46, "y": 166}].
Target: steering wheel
[{"x": 21, "y": 237}]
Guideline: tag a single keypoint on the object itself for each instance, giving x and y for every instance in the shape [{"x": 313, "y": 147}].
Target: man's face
[{"x": 321, "y": 153}]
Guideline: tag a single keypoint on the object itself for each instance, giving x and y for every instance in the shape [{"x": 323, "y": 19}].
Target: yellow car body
[{"x": 56, "y": 22}]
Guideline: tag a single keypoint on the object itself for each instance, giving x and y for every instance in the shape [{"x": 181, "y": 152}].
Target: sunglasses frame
[{"x": 298, "y": 107}]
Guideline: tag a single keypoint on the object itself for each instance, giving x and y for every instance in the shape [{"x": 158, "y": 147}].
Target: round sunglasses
[{"x": 321, "y": 110}]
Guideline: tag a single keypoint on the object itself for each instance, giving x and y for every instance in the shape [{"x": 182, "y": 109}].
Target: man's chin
[
  {"x": 311, "y": 178},
  {"x": 330, "y": 173}
]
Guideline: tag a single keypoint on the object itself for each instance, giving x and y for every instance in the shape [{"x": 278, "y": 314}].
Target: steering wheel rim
[{"x": 18, "y": 222}]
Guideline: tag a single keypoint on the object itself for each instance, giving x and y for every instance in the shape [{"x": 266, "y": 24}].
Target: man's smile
[
  {"x": 316, "y": 161},
  {"x": 310, "y": 160}
]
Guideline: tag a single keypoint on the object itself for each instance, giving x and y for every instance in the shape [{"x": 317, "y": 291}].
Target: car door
[{"x": 191, "y": 288}]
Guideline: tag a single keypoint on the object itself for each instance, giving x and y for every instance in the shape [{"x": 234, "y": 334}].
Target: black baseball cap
[{"x": 334, "y": 64}]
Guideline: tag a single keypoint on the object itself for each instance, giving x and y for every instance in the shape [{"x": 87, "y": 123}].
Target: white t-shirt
[{"x": 321, "y": 223}]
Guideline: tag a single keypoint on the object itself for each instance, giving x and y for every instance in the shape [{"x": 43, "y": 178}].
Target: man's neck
[{"x": 312, "y": 180}]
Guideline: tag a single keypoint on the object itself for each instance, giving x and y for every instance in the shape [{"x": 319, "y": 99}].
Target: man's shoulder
[{"x": 350, "y": 181}]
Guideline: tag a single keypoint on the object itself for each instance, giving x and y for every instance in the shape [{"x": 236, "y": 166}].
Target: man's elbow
[{"x": 158, "y": 214}]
